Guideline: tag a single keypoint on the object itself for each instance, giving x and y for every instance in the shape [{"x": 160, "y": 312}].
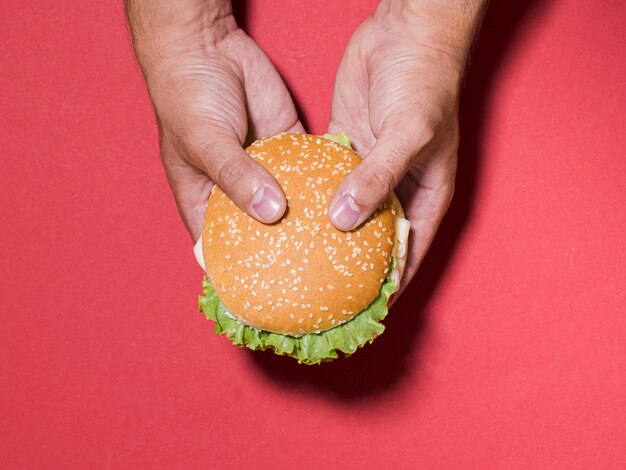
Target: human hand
[
  {"x": 211, "y": 93},
  {"x": 396, "y": 95}
]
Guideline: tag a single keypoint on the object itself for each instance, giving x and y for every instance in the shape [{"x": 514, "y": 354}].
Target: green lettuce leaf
[
  {"x": 341, "y": 138},
  {"x": 307, "y": 349}
]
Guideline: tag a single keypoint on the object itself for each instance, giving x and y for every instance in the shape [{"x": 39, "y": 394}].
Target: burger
[{"x": 301, "y": 287}]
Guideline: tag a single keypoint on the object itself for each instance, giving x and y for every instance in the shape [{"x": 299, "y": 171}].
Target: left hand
[{"x": 397, "y": 96}]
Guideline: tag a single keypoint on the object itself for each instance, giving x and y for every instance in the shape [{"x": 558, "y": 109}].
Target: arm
[
  {"x": 212, "y": 89},
  {"x": 397, "y": 94}
]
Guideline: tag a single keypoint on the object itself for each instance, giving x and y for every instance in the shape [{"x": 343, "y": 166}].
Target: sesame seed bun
[{"x": 300, "y": 275}]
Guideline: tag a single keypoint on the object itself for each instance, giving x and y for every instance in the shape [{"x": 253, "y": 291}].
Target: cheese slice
[
  {"x": 400, "y": 249},
  {"x": 197, "y": 251}
]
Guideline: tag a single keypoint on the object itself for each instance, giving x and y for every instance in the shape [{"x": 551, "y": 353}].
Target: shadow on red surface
[{"x": 379, "y": 368}]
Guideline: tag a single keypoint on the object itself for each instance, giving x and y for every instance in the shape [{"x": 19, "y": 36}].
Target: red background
[{"x": 509, "y": 350}]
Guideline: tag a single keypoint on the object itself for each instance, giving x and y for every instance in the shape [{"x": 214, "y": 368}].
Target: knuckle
[
  {"x": 231, "y": 173},
  {"x": 445, "y": 193},
  {"x": 408, "y": 137},
  {"x": 378, "y": 179},
  {"x": 449, "y": 195},
  {"x": 208, "y": 153},
  {"x": 418, "y": 128},
  {"x": 420, "y": 132},
  {"x": 424, "y": 131},
  {"x": 200, "y": 139},
  {"x": 183, "y": 128},
  {"x": 401, "y": 150}
]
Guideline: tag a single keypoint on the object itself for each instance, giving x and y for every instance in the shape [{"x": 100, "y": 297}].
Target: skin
[
  {"x": 396, "y": 95},
  {"x": 212, "y": 89}
]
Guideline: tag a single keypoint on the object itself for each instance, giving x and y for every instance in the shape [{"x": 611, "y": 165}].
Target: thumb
[
  {"x": 246, "y": 182},
  {"x": 369, "y": 184}
]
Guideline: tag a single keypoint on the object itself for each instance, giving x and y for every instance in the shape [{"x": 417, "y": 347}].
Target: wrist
[
  {"x": 170, "y": 30},
  {"x": 447, "y": 27}
]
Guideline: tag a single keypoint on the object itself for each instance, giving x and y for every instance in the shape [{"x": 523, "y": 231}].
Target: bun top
[{"x": 299, "y": 275}]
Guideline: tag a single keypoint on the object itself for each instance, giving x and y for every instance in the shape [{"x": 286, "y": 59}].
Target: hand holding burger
[
  {"x": 397, "y": 95},
  {"x": 212, "y": 89}
]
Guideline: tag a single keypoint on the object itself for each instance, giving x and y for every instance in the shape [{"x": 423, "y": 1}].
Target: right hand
[{"x": 211, "y": 95}]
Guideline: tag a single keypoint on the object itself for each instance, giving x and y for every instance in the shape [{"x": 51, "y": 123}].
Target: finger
[
  {"x": 261, "y": 130},
  {"x": 267, "y": 95},
  {"x": 191, "y": 188},
  {"x": 298, "y": 127},
  {"x": 427, "y": 207},
  {"x": 191, "y": 193},
  {"x": 369, "y": 184},
  {"x": 247, "y": 183},
  {"x": 351, "y": 101},
  {"x": 421, "y": 237}
]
